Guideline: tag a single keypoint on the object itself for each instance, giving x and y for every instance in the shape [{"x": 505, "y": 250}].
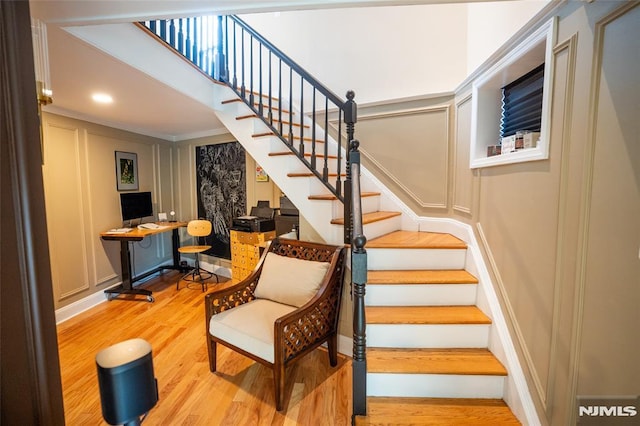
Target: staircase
[{"x": 428, "y": 357}]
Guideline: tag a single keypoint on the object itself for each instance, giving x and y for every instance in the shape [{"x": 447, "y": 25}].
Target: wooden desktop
[{"x": 137, "y": 234}]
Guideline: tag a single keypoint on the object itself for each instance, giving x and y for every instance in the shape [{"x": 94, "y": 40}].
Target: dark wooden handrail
[{"x": 285, "y": 59}]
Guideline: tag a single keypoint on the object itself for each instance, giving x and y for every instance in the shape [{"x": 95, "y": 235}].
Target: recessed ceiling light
[{"x": 102, "y": 98}]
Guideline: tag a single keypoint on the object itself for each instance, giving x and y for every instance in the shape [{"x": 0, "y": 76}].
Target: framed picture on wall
[
  {"x": 127, "y": 171},
  {"x": 261, "y": 175}
]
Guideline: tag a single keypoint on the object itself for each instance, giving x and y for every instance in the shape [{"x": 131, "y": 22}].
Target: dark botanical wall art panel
[{"x": 222, "y": 194}]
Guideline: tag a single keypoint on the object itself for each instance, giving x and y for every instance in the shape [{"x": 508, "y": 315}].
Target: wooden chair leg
[
  {"x": 211, "y": 349},
  {"x": 278, "y": 379},
  {"x": 332, "y": 345}
]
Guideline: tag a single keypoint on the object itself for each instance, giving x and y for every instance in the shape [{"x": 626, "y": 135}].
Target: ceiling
[{"x": 141, "y": 103}]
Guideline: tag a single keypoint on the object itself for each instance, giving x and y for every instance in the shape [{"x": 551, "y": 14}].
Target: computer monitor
[{"x": 135, "y": 205}]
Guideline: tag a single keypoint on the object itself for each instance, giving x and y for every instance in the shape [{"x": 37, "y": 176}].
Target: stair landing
[
  {"x": 412, "y": 240},
  {"x": 436, "y": 411}
]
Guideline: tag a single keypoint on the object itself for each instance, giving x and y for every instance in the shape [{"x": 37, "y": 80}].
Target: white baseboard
[
  {"x": 345, "y": 345},
  {"x": 77, "y": 307},
  {"x": 69, "y": 311}
]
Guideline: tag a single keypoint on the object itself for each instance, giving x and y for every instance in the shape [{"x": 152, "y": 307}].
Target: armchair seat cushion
[{"x": 250, "y": 326}]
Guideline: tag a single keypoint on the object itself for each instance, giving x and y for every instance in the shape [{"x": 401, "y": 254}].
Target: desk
[{"x": 125, "y": 260}]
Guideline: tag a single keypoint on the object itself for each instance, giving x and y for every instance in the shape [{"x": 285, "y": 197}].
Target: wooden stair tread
[
  {"x": 306, "y": 139},
  {"x": 309, "y": 174},
  {"x": 275, "y": 108},
  {"x": 455, "y": 276},
  {"x": 370, "y": 217},
  {"x": 331, "y": 197},
  {"x": 425, "y": 315},
  {"x": 416, "y": 239},
  {"x": 471, "y": 361},
  {"x": 436, "y": 411},
  {"x": 306, "y": 154},
  {"x": 284, "y": 122}
]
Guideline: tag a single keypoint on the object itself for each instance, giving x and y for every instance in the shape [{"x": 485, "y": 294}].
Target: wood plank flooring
[{"x": 240, "y": 393}]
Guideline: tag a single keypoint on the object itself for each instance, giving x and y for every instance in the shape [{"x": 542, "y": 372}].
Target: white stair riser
[
  {"x": 368, "y": 204},
  {"x": 435, "y": 385},
  {"x": 298, "y": 167},
  {"x": 398, "y": 259},
  {"x": 277, "y": 145},
  {"x": 428, "y": 335},
  {"x": 421, "y": 295},
  {"x": 381, "y": 227}
]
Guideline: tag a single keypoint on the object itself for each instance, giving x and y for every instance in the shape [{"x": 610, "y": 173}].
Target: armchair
[{"x": 284, "y": 309}]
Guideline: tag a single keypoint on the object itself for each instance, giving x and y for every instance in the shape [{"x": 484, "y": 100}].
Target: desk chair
[{"x": 197, "y": 229}]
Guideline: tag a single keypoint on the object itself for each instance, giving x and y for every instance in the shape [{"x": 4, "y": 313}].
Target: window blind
[{"x": 522, "y": 103}]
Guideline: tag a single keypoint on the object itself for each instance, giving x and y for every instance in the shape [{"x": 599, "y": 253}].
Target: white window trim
[{"x": 487, "y": 94}]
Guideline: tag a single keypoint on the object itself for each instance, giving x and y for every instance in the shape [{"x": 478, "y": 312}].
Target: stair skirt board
[
  {"x": 435, "y": 385},
  {"x": 428, "y": 335},
  {"x": 421, "y": 294},
  {"x": 400, "y": 259}
]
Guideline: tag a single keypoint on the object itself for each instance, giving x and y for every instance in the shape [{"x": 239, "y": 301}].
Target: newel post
[
  {"x": 350, "y": 118},
  {"x": 359, "y": 364}
]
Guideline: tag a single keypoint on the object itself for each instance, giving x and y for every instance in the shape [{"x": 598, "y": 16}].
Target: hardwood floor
[{"x": 240, "y": 393}]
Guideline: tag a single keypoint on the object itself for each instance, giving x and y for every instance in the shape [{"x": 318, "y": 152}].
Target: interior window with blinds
[{"x": 522, "y": 103}]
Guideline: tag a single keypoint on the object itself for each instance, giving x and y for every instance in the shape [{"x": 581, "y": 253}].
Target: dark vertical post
[
  {"x": 339, "y": 161},
  {"x": 251, "y": 70},
  {"x": 350, "y": 118},
  {"x": 290, "y": 106},
  {"x": 301, "y": 149},
  {"x": 220, "y": 61},
  {"x": 172, "y": 34},
  {"x": 235, "y": 56},
  {"x": 270, "y": 77},
  {"x": 358, "y": 283},
  {"x": 181, "y": 37},
  {"x": 280, "y": 93},
  {"x": 260, "y": 102},
  {"x": 325, "y": 168},
  {"x": 359, "y": 364},
  {"x": 243, "y": 87},
  {"x": 313, "y": 130}
]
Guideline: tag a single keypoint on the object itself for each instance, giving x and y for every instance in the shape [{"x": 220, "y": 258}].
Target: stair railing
[{"x": 272, "y": 85}]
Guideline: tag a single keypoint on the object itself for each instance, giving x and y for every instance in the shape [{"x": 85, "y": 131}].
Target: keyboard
[
  {"x": 119, "y": 230},
  {"x": 150, "y": 225}
]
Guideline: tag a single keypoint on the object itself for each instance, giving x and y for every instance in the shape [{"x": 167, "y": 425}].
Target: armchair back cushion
[{"x": 289, "y": 280}]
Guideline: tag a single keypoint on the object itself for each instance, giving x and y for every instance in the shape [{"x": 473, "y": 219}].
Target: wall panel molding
[
  {"x": 388, "y": 174},
  {"x": 568, "y": 48},
  {"x": 58, "y": 214},
  {"x": 509, "y": 312},
  {"x": 458, "y": 205},
  {"x": 587, "y": 194}
]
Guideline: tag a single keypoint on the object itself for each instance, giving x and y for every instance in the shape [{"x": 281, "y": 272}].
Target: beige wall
[
  {"x": 560, "y": 236},
  {"x": 82, "y": 201}
]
